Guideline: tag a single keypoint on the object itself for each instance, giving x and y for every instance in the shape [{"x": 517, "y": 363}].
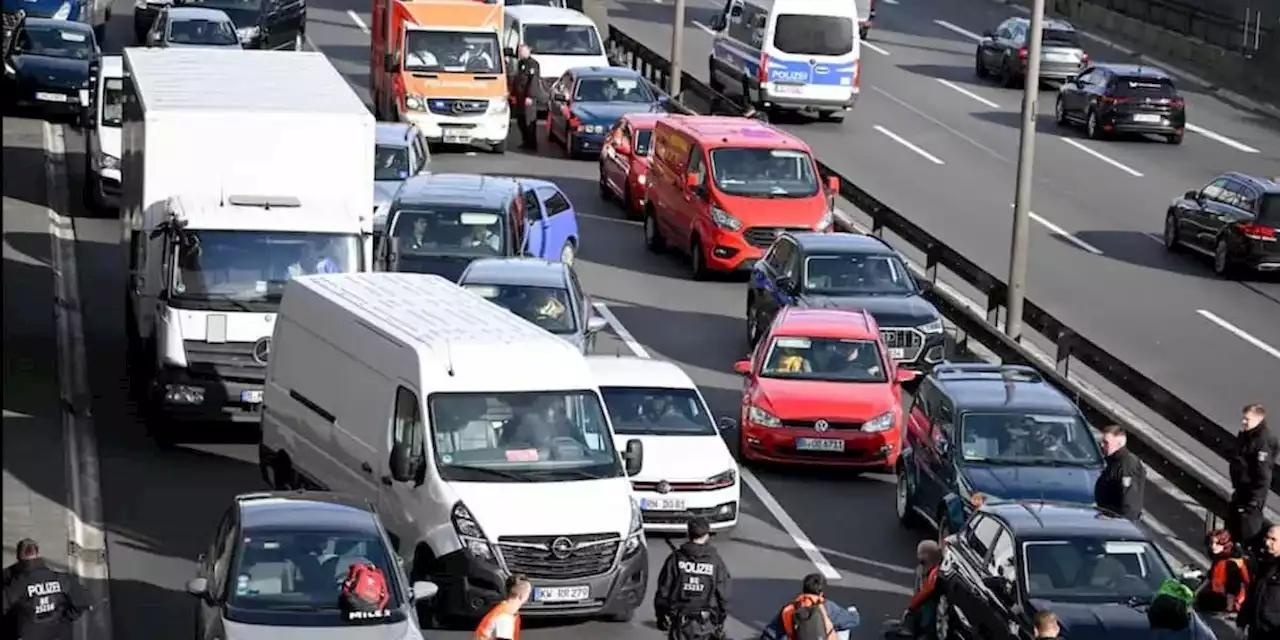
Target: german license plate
[
  {"x": 1146, "y": 117},
  {"x": 788, "y": 89},
  {"x": 1059, "y": 57},
  {"x": 561, "y": 594},
  {"x": 455, "y": 136},
  {"x": 50, "y": 97},
  {"x": 819, "y": 444},
  {"x": 897, "y": 353},
  {"x": 252, "y": 396},
  {"x": 662, "y": 504}
]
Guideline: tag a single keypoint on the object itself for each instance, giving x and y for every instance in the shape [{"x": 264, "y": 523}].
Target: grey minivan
[{"x": 543, "y": 292}]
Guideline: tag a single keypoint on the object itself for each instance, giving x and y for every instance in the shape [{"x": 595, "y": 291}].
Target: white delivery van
[
  {"x": 688, "y": 470},
  {"x": 561, "y": 39},
  {"x": 101, "y": 185},
  {"x": 788, "y": 55},
  {"x": 481, "y": 438},
  {"x": 241, "y": 170}
]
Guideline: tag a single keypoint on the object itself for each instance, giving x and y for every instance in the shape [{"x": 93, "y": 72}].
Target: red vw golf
[
  {"x": 624, "y": 161},
  {"x": 821, "y": 389}
]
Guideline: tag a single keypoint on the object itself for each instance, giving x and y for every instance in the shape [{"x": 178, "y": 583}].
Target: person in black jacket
[
  {"x": 1251, "y": 468},
  {"x": 526, "y": 90},
  {"x": 38, "y": 602},
  {"x": 1260, "y": 616},
  {"x": 692, "y": 597},
  {"x": 1119, "y": 489}
]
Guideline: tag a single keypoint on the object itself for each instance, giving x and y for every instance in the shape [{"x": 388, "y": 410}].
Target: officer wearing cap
[
  {"x": 39, "y": 603},
  {"x": 692, "y": 598}
]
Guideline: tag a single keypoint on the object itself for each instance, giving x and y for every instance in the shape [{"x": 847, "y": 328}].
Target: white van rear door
[{"x": 812, "y": 56}]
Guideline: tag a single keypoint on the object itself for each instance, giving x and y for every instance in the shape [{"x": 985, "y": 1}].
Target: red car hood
[{"x": 809, "y": 400}]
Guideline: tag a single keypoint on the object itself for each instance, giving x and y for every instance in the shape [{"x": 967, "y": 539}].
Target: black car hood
[
  {"x": 46, "y": 71},
  {"x": 888, "y": 310},
  {"x": 1058, "y": 484},
  {"x": 1093, "y": 621},
  {"x": 449, "y": 267}
]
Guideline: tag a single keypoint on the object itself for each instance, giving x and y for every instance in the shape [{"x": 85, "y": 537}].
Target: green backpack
[
  {"x": 1171, "y": 607},
  {"x": 1174, "y": 588}
]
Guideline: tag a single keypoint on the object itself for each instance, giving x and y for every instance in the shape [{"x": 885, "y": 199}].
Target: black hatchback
[
  {"x": 260, "y": 24},
  {"x": 1110, "y": 99}
]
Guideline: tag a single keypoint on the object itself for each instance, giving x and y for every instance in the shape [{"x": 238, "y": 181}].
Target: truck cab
[
  {"x": 102, "y": 145},
  {"x": 206, "y": 280},
  {"x": 439, "y": 65}
]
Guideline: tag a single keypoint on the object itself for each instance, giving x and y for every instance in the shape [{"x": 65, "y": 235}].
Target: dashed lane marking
[
  {"x": 960, "y": 30},
  {"x": 1217, "y": 137},
  {"x": 355, "y": 17},
  {"x": 965, "y": 92},
  {"x": 908, "y": 144},
  {"x": 1239, "y": 333},
  {"x": 1115, "y": 163}
]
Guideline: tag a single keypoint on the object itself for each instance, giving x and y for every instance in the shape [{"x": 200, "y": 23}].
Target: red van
[{"x": 722, "y": 188}]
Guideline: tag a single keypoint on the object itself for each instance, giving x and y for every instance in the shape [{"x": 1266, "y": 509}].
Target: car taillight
[
  {"x": 763, "y": 75},
  {"x": 1084, "y": 58},
  {"x": 1022, "y": 53},
  {"x": 1112, "y": 100},
  {"x": 1258, "y": 232}
]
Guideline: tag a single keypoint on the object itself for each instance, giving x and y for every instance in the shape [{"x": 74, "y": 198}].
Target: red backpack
[{"x": 365, "y": 589}]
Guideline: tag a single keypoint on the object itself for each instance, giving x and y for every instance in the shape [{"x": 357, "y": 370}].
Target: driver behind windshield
[
  {"x": 848, "y": 359},
  {"x": 535, "y": 423},
  {"x": 483, "y": 236},
  {"x": 661, "y": 410},
  {"x": 317, "y": 257}
]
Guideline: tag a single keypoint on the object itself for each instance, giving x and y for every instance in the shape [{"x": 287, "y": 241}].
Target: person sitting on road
[
  {"x": 1228, "y": 583},
  {"x": 918, "y": 620}
]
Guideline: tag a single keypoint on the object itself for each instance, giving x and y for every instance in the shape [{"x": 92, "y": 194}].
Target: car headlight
[
  {"x": 415, "y": 103},
  {"x": 759, "y": 416},
  {"x": 63, "y": 12},
  {"x": 825, "y": 223},
  {"x": 724, "y": 220},
  {"x": 499, "y": 107},
  {"x": 247, "y": 33},
  {"x": 932, "y": 327},
  {"x": 591, "y": 128},
  {"x": 635, "y": 531},
  {"x": 882, "y": 422},
  {"x": 470, "y": 534},
  {"x": 723, "y": 479}
]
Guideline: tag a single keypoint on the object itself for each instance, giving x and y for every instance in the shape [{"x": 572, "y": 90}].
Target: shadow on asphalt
[
  {"x": 1144, "y": 250},
  {"x": 20, "y": 165}
]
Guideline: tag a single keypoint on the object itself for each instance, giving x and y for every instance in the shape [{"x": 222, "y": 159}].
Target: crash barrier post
[{"x": 1070, "y": 347}]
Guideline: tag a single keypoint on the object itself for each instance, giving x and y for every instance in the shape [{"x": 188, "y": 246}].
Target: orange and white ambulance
[{"x": 438, "y": 64}]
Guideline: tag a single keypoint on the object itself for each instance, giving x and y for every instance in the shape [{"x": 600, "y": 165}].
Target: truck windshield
[
  {"x": 538, "y": 436},
  {"x": 217, "y": 268},
  {"x": 113, "y": 102},
  {"x": 764, "y": 173},
  {"x": 451, "y": 51},
  {"x": 448, "y": 231},
  {"x": 562, "y": 40}
]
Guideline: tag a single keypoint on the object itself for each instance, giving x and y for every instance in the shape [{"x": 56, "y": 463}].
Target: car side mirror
[
  {"x": 1192, "y": 579},
  {"x": 725, "y": 423},
  {"x": 402, "y": 463},
  {"x": 596, "y": 324},
  {"x": 905, "y": 375},
  {"x": 424, "y": 591},
  {"x": 198, "y": 587},
  {"x": 735, "y": 11},
  {"x": 833, "y": 184},
  {"x": 633, "y": 457},
  {"x": 1192, "y": 195},
  {"x": 623, "y": 148},
  {"x": 391, "y": 62},
  {"x": 999, "y": 586},
  {"x": 742, "y": 367},
  {"x": 691, "y": 180}
]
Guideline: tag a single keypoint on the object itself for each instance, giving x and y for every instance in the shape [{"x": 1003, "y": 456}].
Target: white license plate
[
  {"x": 1059, "y": 57},
  {"x": 897, "y": 353},
  {"x": 819, "y": 444},
  {"x": 561, "y": 594},
  {"x": 50, "y": 97},
  {"x": 253, "y": 396},
  {"x": 1146, "y": 117},
  {"x": 788, "y": 89},
  {"x": 456, "y": 137},
  {"x": 662, "y": 504}
]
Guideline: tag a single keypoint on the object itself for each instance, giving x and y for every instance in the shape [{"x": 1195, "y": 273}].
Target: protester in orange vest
[
  {"x": 811, "y": 616},
  {"x": 1228, "y": 582},
  {"x": 918, "y": 619},
  {"x": 503, "y": 620}
]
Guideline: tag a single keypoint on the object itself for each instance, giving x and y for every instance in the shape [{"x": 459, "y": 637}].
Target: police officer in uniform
[
  {"x": 1251, "y": 468},
  {"x": 692, "y": 597},
  {"x": 527, "y": 90},
  {"x": 38, "y": 602},
  {"x": 1120, "y": 487}
]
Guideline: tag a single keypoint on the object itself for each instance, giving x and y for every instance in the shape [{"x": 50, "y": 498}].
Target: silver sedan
[
  {"x": 193, "y": 27},
  {"x": 545, "y": 293}
]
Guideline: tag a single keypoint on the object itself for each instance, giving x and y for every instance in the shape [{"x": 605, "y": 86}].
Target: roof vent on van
[{"x": 263, "y": 202}]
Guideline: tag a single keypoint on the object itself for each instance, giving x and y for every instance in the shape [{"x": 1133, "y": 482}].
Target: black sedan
[
  {"x": 47, "y": 66},
  {"x": 848, "y": 271},
  {"x": 1011, "y": 560}
]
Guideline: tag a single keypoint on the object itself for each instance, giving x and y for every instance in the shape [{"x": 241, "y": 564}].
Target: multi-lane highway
[{"x": 161, "y": 507}]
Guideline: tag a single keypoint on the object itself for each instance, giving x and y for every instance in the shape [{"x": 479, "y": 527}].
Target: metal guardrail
[
  {"x": 1212, "y": 24},
  {"x": 696, "y": 97}
]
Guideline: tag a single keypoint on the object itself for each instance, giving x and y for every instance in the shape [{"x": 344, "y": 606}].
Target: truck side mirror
[
  {"x": 391, "y": 62},
  {"x": 402, "y": 463}
]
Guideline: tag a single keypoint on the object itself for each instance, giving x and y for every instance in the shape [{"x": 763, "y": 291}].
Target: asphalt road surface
[{"x": 161, "y": 507}]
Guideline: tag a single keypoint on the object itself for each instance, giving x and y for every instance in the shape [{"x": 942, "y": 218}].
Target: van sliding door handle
[{"x": 366, "y": 467}]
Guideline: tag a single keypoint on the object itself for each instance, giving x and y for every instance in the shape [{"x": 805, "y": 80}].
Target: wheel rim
[
  {"x": 566, "y": 254},
  {"x": 942, "y": 622},
  {"x": 900, "y": 494},
  {"x": 1057, "y": 109}
]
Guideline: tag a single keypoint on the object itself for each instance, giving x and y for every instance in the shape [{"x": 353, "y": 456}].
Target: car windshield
[
  {"x": 390, "y": 163},
  {"x": 1091, "y": 570},
  {"x": 612, "y": 90},
  {"x": 764, "y": 173},
  {"x": 1269, "y": 210},
  {"x": 448, "y": 232},
  {"x": 644, "y": 411},
  {"x": 113, "y": 102},
  {"x": 451, "y": 51},
  {"x": 538, "y": 436},
  {"x": 1060, "y": 38},
  {"x": 845, "y": 274},
  {"x": 54, "y": 42},
  {"x": 562, "y": 40},
  {"x": 1143, "y": 88},
  {"x": 644, "y": 140},
  {"x": 293, "y": 577},
  {"x": 813, "y": 35},
  {"x": 236, "y": 267},
  {"x": 829, "y": 359},
  {"x": 544, "y": 306},
  {"x": 1028, "y": 439},
  {"x": 244, "y": 13},
  {"x": 200, "y": 31}
]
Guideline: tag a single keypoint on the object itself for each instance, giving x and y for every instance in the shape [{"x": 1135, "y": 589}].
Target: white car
[{"x": 687, "y": 470}]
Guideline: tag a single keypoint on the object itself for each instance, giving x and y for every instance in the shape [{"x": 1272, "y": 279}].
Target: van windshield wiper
[
  {"x": 493, "y": 473},
  {"x": 577, "y": 474},
  {"x": 242, "y": 305}
]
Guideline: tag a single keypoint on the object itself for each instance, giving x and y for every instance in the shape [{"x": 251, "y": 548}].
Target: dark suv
[
  {"x": 1109, "y": 99},
  {"x": 1233, "y": 219}
]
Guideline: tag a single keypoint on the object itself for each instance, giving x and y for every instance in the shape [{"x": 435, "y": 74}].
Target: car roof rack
[{"x": 954, "y": 371}]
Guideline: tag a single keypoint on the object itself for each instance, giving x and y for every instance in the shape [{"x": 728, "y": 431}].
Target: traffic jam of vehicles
[{"x": 473, "y": 432}]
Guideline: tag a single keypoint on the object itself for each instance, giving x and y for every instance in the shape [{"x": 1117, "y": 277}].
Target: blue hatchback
[{"x": 586, "y": 102}]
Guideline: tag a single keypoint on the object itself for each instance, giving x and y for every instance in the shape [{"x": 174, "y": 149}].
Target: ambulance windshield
[{"x": 451, "y": 52}]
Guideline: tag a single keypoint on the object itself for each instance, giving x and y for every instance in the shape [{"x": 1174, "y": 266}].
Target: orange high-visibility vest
[
  {"x": 805, "y": 600},
  {"x": 490, "y": 623},
  {"x": 1218, "y": 582}
]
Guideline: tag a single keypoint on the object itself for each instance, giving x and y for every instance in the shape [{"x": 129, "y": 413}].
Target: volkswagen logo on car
[
  {"x": 821, "y": 425},
  {"x": 664, "y": 487}
]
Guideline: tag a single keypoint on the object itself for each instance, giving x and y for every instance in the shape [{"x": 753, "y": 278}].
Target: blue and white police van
[
  {"x": 788, "y": 55},
  {"x": 95, "y": 13}
]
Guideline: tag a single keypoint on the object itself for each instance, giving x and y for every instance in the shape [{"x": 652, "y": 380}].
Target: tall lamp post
[
  {"x": 1022, "y": 195},
  {"x": 677, "y": 38}
]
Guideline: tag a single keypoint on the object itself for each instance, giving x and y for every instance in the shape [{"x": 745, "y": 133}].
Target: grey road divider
[{"x": 982, "y": 320}]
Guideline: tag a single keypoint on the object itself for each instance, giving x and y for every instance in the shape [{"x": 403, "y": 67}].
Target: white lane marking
[
  {"x": 355, "y": 17},
  {"x": 798, "y": 536},
  {"x": 1154, "y": 238},
  {"x": 80, "y": 447},
  {"x": 1218, "y": 137},
  {"x": 704, "y": 27},
  {"x": 1115, "y": 163},
  {"x": 880, "y": 50},
  {"x": 890, "y": 1},
  {"x": 593, "y": 216},
  {"x": 906, "y": 143},
  {"x": 960, "y": 30},
  {"x": 1062, "y": 233},
  {"x": 964, "y": 91},
  {"x": 1239, "y": 333}
]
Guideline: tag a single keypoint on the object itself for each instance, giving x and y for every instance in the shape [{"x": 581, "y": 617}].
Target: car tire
[
  {"x": 567, "y": 253},
  {"x": 89, "y": 192},
  {"x": 1091, "y": 128},
  {"x": 1170, "y": 235},
  {"x": 1222, "y": 266},
  {"x": 1008, "y": 79},
  {"x": 831, "y": 116},
  {"x": 629, "y": 202},
  {"x": 652, "y": 234},
  {"x": 568, "y": 147},
  {"x": 979, "y": 69},
  {"x": 622, "y": 617},
  {"x": 711, "y": 76},
  {"x": 943, "y": 623},
  {"x": 1060, "y": 112},
  {"x": 606, "y": 193},
  {"x": 698, "y": 262},
  {"x": 498, "y": 148},
  {"x": 1174, "y": 138},
  {"x": 903, "y": 503},
  {"x": 753, "y": 324}
]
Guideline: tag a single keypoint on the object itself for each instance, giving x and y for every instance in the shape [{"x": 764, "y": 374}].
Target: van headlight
[
  {"x": 414, "y": 103},
  {"x": 63, "y": 12},
  {"x": 470, "y": 534},
  {"x": 724, "y": 220},
  {"x": 825, "y": 223},
  {"x": 882, "y": 422},
  {"x": 499, "y": 107},
  {"x": 247, "y": 33},
  {"x": 635, "y": 532},
  {"x": 932, "y": 327}
]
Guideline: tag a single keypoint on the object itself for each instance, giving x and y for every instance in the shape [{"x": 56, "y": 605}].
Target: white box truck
[{"x": 241, "y": 170}]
